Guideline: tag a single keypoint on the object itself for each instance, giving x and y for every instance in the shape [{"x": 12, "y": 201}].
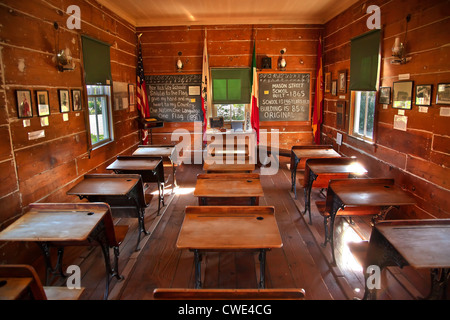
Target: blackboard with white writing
[
  {"x": 175, "y": 98},
  {"x": 284, "y": 96}
]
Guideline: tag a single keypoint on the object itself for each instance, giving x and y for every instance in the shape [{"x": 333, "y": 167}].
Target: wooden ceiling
[{"x": 143, "y": 13}]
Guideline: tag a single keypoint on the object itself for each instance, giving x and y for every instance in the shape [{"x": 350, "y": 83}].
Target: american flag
[{"x": 141, "y": 94}]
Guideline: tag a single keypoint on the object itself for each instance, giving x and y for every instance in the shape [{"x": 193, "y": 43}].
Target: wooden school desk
[
  {"x": 319, "y": 171},
  {"x": 229, "y": 228},
  {"x": 151, "y": 170},
  {"x": 63, "y": 224},
  {"x": 123, "y": 192},
  {"x": 299, "y": 155},
  {"x": 417, "y": 243},
  {"x": 367, "y": 192},
  {"x": 229, "y": 189},
  {"x": 166, "y": 151}
]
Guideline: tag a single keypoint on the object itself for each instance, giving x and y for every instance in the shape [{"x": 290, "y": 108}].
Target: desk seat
[{"x": 34, "y": 288}]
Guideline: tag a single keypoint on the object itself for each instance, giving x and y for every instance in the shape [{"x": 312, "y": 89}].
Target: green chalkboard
[{"x": 284, "y": 96}]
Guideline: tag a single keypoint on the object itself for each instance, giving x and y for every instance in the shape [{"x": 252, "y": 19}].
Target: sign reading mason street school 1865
[{"x": 284, "y": 96}]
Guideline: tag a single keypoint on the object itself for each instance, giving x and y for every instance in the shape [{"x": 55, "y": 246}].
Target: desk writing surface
[
  {"x": 315, "y": 153},
  {"x": 319, "y": 168},
  {"x": 115, "y": 185},
  {"x": 228, "y": 231},
  {"x": 228, "y": 188},
  {"x": 13, "y": 288},
  {"x": 423, "y": 243},
  {"x": 133, "y": 164},
  {"x": 154, "y": 151},
  {"x": 53, "y": 225},
  {"x": 372, "y": 195}
]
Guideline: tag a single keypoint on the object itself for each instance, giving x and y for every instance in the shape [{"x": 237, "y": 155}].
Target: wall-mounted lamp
[
  {"x": 64, "y": 60},
  {"x": 398, "y": 50},
  {"x": 282, "y": 61},
  {"x": 179, "y": 62}
]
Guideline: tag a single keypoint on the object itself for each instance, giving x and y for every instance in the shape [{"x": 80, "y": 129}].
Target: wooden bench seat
[
  {"x": 228, "y": 294},
  {"x": 348, "y": 211},
  {"x": 35, "y": 290}
]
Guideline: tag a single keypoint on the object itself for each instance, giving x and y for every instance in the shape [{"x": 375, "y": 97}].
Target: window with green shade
[
  {"x": 96, "y": 61},
  {"x": 365, "y": 61},
  {"x": 231, "y": 85}
]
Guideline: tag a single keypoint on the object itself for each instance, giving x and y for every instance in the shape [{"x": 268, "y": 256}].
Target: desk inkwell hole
[
  {"x": 249, "y": 180},
  {"x": 387, "y": 187},
  {"x": 90, "y": 213},
  {"x": 3, "y": 283},
  {"x": 128, "y": 179},
  {"x": 259, "y": 218}
]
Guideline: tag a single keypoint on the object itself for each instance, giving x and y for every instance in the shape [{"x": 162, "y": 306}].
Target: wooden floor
[{"x": 301, "y": 263}]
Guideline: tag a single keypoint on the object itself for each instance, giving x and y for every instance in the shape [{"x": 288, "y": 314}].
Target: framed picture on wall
[
  {"x": 423, "y": 94},
  {"x": 402, "y": 97},
  {"x": 24, "y": 104},
  {"x": 334, "y": 87},
  {"x": 340, "y": 115},
  {"x": 42, "y": 103},
  {"x": 64, "y": 100},
  {"x": 342, "y": 81},
  {"x": 443, "y": 93},
  {"x": 385, "y": 95},
  {"x": 327, "y": 81},
  {"x": 76, "y": 100}
]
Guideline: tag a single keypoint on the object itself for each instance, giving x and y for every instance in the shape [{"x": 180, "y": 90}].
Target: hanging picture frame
[
  {"x": 24, "y": 104},
  {"x": 64, "y": 100},
  {"x": 43, "y": 106},
  {"x": 385, "y": 95},
  {"x": 423, "y": 94},
  {"x": 443, "y": 93},
  {"x": 342, "y": 81},
  {"x": 76, "y": 100},
  {"x": 402, "y": 96}
]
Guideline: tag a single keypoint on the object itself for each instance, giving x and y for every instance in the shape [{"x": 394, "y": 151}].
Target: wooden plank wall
[
  {"x": 232, "y": 46},
  {"x": 419, "y": 158},
  {"x": 43, "y": 170}
]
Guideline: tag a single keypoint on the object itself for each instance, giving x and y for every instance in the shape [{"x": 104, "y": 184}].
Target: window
[
  {"x": 230, "y": 93},
  {"x": 364, "y": 80},
  {"x": 97, "y": 67},
  {"x": 230, "y": 112},
  {"x": 99, "y": 97},
  {"x": 363, "y": 107}
]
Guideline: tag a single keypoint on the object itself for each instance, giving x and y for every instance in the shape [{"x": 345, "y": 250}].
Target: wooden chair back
[
  {"x": 25, "y": 271},
  {"x": 36, "y": 289},
  {"x": 228, "y": 294}
]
